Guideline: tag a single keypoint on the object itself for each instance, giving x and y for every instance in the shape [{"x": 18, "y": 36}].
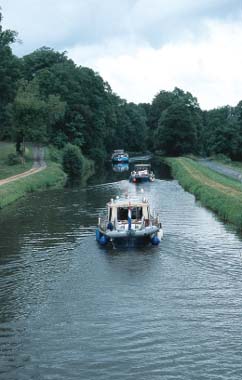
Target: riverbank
[
  {"x": 51, "y": 176},
  {"x": 218, "y": 193},
  {"x": 26, "y": 177}
]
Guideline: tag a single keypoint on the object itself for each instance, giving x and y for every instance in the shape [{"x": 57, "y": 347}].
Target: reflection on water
[
  {"x": 120, "y": 167},
  {"x": 72, "y": 310}
]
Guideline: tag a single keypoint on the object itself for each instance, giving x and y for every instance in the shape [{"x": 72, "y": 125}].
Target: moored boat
[
  {"x": 119, "y": 156},
  {"x": 129, "y": 223},
  {"x": 142, "y": 173}
]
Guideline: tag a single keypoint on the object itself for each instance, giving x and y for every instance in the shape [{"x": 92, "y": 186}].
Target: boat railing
[{"x": 103, "y": 223}]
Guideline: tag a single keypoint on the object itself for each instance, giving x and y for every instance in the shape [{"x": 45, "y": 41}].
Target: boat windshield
[
  {"x": 142, "y": 167},
  {"x": 136, "y": 213}
]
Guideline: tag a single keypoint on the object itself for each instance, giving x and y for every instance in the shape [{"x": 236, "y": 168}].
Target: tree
[
  {"x": 9, "y": 74},
  {"x": 175, "y": 122},
  {"x": 32, "y": 116},
  {"x": 72, "y": 161},
  {"x": 176, "y": 133}
]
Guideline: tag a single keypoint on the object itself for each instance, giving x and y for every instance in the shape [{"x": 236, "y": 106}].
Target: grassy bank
[
  {"x": 220, "y": 194},
  {"x": 7, "y": 170},
  {"x": 52, "y": 176}
]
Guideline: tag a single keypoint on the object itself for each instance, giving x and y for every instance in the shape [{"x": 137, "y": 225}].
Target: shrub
[
  {"x": 72, "y": 161},
  {"x": 13, "y": 159}
]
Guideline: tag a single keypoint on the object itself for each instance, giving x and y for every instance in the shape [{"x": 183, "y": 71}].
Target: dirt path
[
  {"x": 208, "y": 181},
  {"x": 37, "y": 167},
  {"x": 222, "y": 169}
]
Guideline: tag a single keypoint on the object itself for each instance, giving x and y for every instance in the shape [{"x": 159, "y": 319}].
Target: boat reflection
[{"x": 122, "y": 167}]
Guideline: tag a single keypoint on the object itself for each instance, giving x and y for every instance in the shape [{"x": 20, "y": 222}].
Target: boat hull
[
  {"x": 121, "y": 160},
  {"x": 131, "y": 241},
  {"x": 130, "y": 238},
  {"x": 137, "y": 179}
]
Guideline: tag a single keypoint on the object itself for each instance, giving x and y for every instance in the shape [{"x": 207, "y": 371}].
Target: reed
[{"x": 215, "y": 191}]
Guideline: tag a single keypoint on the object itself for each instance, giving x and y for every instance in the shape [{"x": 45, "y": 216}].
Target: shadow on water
[
  {"x": 119, "y": 172},
  {"x": 71, "y": 309}
]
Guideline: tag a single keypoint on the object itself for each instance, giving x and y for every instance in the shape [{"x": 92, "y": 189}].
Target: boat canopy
[
  {"x": 142, "y": 167},
  {"x": 118, "y": 151},
  {"x": 119, "y": 211}
]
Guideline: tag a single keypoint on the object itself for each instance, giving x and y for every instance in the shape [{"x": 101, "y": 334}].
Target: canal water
[{"x": 70, "y": 309}]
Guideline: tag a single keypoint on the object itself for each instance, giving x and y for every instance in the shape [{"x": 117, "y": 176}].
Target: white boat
[
  {"x": 129, "y": 223},
  {"x": 142, "y": 173}
]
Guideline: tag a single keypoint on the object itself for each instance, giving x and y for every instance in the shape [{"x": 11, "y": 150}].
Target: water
[{"x": 70, "y": 309}]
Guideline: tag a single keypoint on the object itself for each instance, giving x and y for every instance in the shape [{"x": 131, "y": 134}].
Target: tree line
[{"x": 46, "y": 98}]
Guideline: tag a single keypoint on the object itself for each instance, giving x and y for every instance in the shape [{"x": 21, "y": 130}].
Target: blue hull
[
  {"x": 132, "y": 242},
  {"x": 140, "y": 179},
  {"x": 120, "y": 160}
]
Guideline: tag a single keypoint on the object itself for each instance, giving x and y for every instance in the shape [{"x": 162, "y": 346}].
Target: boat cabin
[
  {"x": 142, "y": 167},
  {"x": 119, "y": 211}
]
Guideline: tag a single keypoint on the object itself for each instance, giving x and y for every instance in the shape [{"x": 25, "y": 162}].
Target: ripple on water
[{"x": 70, "y": 309}]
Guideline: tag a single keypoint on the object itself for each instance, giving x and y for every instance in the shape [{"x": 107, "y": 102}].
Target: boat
[
  {"x": 142, "y": 173},
  {"x": 129, "y": 223},
  {"x": 122, "y": 167},
  {"x": 119, "y": 156}
]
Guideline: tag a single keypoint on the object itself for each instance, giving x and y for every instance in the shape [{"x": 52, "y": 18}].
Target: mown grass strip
[
  {"x": 52, "y": 176},
  {"x": 215, "y": 191}
]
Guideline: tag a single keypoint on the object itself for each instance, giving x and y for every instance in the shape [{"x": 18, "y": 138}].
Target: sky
[{"x": 141, "y": 46}]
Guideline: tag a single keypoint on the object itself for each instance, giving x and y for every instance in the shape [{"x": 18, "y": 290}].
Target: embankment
[
  {"x": 51, "y": 176},
  {"x": 218, "y": 193}
]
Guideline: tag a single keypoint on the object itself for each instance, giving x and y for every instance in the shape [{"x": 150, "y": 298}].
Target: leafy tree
[
  {"x": 9, "y": 74},
  {"x": 33, "y": 117},
  {"x": 72, "y": 161},
  {"x": 176, "y": 133},
  {"x": 175, "y": 122},
  {"x": 223, "y": 132}
]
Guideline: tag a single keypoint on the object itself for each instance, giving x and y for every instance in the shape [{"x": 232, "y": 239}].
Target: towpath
[
  {"x": 37, "y": 167},
  {"x": 222, "y": 169}
]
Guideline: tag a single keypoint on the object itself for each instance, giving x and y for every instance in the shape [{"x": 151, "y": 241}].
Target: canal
[{"x": 70, "y": 309}]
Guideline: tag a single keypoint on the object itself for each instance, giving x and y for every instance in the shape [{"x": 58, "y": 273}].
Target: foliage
[
  {"x": 72, "y": 161},
  {"x": 45, "y": 98},
  {"x": 13, "y": 159},
  {"x": 175, "y": 119}
]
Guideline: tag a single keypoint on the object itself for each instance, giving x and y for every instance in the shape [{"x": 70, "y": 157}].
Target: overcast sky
[{"x": 141, "y": 46}]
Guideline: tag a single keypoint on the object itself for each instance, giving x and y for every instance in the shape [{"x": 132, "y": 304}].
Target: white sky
[{"x": 141, "y": 46}]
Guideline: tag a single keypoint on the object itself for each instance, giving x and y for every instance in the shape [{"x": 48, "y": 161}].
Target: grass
[
  {"x": 52, "y": 176},
  {"x": 11, "y": 170},
  {"x": 217, "y": 192}
]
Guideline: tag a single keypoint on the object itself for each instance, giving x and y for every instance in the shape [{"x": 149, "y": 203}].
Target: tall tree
[{"x": 9, "y": 74}]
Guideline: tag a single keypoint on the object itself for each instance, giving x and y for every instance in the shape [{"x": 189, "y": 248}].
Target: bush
[
  {"x": 13, "y": 159},
  {"x": 72, "y": 161}
]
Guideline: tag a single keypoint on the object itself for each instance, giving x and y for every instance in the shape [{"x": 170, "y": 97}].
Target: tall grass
[{"x": 220, "y": 194}]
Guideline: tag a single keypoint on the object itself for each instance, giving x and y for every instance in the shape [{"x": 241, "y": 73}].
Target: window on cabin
[
  {"x": 122, "y": 213},
  {"x": 136, "y": 213},
  {"x": 110, "y": 214}
]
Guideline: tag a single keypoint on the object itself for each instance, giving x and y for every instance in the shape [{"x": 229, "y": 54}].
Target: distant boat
[
  {"x": 122, "y": 167},
  {"x": 120, "y": 156},
  {"x": 129, "y": 223},
  {"x": 142, "y": 173}
]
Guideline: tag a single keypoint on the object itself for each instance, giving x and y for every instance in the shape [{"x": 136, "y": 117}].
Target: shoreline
[
  {"x": 216, "y": 192},
  {"x": 41, "y": 179}
]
